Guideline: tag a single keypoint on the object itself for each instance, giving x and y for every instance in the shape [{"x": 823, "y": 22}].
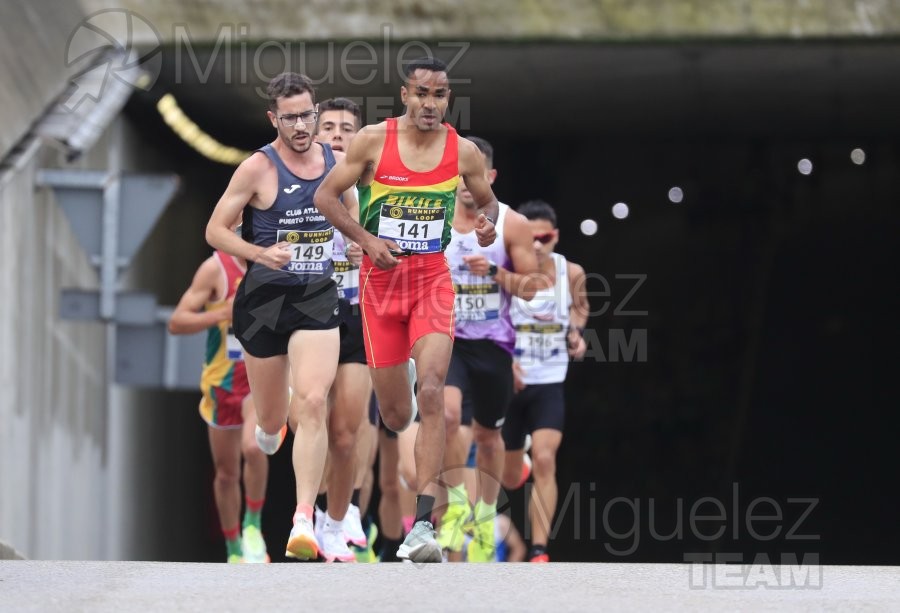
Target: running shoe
[
  {"x": 270, "y": 443},
  {"x": 254, "y": 546},
  {"x": 526, "y": 471},
  {"x": 483, "y": 547},
  {"x": 451, "y": 535},
  {"x": 353, "y": 530},
  {"x": 420, "y": 545},
  {"x": 302, "y": 543},
  {"x": 334, "y": 547}
]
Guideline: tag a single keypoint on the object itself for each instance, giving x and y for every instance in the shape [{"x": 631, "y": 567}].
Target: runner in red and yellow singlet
[
  {"x": 407, "y": 170},
  {"x": 226, "y": 405},
  {"x": 412, "y": 209}
]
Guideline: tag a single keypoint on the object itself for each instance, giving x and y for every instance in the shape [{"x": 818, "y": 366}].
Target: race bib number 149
[{"x": 310, "y": 250}]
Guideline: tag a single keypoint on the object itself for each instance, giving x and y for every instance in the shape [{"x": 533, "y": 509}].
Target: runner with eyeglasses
[{"x": 286, "y": 309}]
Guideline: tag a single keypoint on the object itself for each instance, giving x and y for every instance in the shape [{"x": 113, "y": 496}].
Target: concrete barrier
[{"x": 8, "y": 552}]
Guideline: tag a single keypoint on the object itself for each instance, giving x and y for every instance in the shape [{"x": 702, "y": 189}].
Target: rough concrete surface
[
  {"x": 511, "y": 20},
  {"x": 157, "y": 586}
]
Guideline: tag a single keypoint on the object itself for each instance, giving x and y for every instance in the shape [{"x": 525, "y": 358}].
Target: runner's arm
[
  {"x": 189, "y": 316},
  {"x": 240, "y": 191},
  {"x": 473, "y": 172},
  {"x": 341, "y": 179},
  {"x": 578, "y": 311},
  {"x": 524, "y": 280}
]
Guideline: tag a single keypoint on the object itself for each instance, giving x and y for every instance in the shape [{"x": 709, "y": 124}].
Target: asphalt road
[{"x": 164, "y": 586}]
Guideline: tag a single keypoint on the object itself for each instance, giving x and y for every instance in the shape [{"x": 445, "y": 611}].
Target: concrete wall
[
  {"x": 511, "y": 20},
  {"x": 85, "y": 467},
  {"x": 33, "y": 64},
  {"x": 53, "y": 410}
]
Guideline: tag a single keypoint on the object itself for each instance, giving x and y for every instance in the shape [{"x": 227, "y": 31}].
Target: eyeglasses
[
  {"x": 545, "y": 238},
  {"x": 309, "y": 118}
]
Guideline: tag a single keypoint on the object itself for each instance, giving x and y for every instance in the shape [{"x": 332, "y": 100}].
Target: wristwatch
[
  {"x": 492, "y": 270},
  {"x": 490, "y": 219}
]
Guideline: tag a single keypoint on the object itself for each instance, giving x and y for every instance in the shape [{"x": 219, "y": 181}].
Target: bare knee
[
  {"x": 512, "y": 471},
  {"x": 489, "y": 441},
  {"x": 251, "y": 452},
  {"x": 227, "y": 476},
  {"x": 314, "y": 399},
  {"x": 311, "y": 408},
  {"x": 396, "y": 416},
  {"x": 342, "y": 442},
  {"x": 544, "y": 463},
  {"x": 431, "y": 396},
  {"x": 452, "y": 421}
]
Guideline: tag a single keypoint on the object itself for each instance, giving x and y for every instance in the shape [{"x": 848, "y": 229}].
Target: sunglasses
[{"x": 545, "y": 238}]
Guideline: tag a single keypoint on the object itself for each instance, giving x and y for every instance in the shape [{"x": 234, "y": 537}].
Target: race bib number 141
[{"x": 415, "y": 229}]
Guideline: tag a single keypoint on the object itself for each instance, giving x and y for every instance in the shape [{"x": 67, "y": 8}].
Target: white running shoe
[
  {"x": 334, "y": 546},
  {"x": 353, "y": 530},
  {"x": 302, "y": 544},
  {"x": 270, "y": 443},
  {"x": 319, "y": 524}
]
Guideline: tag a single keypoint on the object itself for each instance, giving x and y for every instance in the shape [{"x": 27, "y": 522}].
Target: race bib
[
  {"x": 346, "y": 276},
  {"x": 233, "y": 348},
  {"x": 540, "y": 342},
  {"x": 310, "y": 250},
  {"x": 477, "y": 301},
  {"x": 415, "y": 229}
]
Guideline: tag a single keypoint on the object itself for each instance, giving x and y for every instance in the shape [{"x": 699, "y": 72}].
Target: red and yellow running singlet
[
  {"x": 224, "y": 377},
  {"x": 414, "y": 209}
]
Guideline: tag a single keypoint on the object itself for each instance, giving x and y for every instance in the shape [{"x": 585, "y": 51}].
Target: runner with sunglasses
[{"x": 549, "y": 331}]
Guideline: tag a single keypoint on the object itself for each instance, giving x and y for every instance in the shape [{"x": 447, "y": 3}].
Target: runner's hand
[
  {"x": 477, "y": 264},
  {"x": 576, "y": 345},
  {"x": 226, "y": 313},
  {"x": 354, "y": 254},
  {"x": 276, "y": 256},
  {"x": 378, "y": 250},
  {"x": 485, "y": 231},
  {"x": 518, "y": 384}
]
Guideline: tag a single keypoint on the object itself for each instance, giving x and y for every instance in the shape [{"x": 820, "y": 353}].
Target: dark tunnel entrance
[{"x": 764, "y": 297}]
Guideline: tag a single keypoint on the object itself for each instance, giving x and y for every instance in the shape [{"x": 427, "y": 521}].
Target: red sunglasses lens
[{"x": 544, "y": 238}]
